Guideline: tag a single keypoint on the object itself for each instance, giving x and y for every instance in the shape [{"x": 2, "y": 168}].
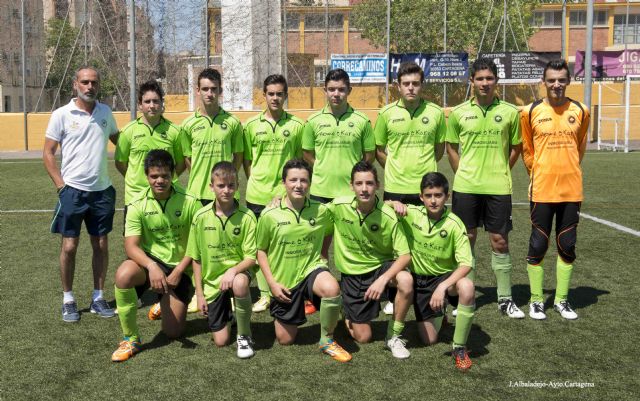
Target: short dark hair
[
  {"x": 483, "y": 63},
  {"x": 211, "y": 74},
  {"x": 224, "y": 169},
  {"x": 558, "y": 65},
  {"x": 150, "y": 86},
  {"x": 85, "y": 67},
  {"x": 296, "y": 163},
  {"x": 364, "y": 167},
  {"x": 410, "y": 68},
  {"x": 434, "y": 180},
  {"x": 337, "y": 74},
  {"x": 275, "y": 79},
  {"x": 158, "y": 158}
]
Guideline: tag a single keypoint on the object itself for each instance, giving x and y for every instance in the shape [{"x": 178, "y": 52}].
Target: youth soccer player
[
  {"x": 223, "y": 248},
  {"x": 210, "y": 135},
  {"x": 371, "y": 253},
  {"x": 440, "y": 262},
  {"x": 335, "y": 138},
  {"x": 483, "y": 143},
  {"x": 554, "y": 137},
  {"x": 271, "y": 138},
  {"x": 156, "y": 235},
  {"x": 289, "y": 241}
]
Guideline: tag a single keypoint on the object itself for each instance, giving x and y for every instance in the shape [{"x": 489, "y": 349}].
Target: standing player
[
  {"x": 82, "y": 129},
  {"x": 371, "y": 253},
  {"x": 222, "y": 245},
  {"x": 155, "y": 240},
  {"x": 210, "y": 135},
  {"x": 554, "y": 136},
  {"x": 289, "y": 240},
  {"x": 270, "y": 139},
  {"x": 440, "y": 262},
  {"x": 335, "y": 138},
  {"x": 483, "y": 144}
]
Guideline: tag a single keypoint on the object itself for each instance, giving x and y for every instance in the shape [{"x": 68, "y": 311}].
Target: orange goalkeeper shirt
[{"x": 554, "y": 140}]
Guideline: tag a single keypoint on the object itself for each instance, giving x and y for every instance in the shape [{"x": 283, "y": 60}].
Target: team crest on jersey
[
  {"x": 223, "y": 125},
  {"x": 178, "y": 213},
  {"x": 374, "y": 227},
  {"x": 286, "y": 133},
  {"x": 236, "y": 231},
  {"x": 425, "y": 120},
  {"x": 443, "y": 233},
  {"x": 103, "y": 123},
  {"x": 497, "y": 118},
  {"x": 74, "y": 125},
  {"x": 572, "y": 120},
  {"x": 312, "y": 222},
  {"x": 351, "y": 124},
  {"x": 163, "y": 135}
]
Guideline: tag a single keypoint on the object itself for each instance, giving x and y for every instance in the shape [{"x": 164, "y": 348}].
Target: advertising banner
[{"x": 438, "y": 67}]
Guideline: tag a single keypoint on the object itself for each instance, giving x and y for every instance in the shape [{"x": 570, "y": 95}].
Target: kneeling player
[
  {"x": 289, "y": 241},
  {"x": 222, "y": 246},
  {"x": 371, "y": 252},
  {"x": 156, "y": 235},
  {"x": 440, "y": 261}
]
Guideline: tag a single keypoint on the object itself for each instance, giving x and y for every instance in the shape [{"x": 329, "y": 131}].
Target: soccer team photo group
[{"x": 340, "y": 217}]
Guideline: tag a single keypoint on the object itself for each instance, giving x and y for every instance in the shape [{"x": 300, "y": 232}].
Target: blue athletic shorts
[{"x": 95, "y": 208}]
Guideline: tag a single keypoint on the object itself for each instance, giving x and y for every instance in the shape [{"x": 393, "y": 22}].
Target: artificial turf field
[{"x": 44, "y": 358}]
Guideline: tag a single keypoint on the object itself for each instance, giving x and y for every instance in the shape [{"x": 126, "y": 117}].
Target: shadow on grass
[{"x": 579, "y": 298}]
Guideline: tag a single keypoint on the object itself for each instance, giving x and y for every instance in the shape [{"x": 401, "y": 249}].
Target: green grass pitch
[{"x": 44, "y": 358}]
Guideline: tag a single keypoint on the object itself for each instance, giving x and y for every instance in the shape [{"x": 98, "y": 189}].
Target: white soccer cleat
[
  {"x": 398, "y": 347},
  {"x": 536, "y": 311},
  {"x": 565, "y": 310},
  {"x": 245, "y": 347},
  {"x": 509, "y": 308}
]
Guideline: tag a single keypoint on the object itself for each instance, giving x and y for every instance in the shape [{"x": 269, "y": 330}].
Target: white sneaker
[
  {"x": 193, "y": 305},
  {"x": 245, "y": 347},
  {"x": 261, "y": 304},
  {"x": 509, "y": 308},
  {"x": 565, "y": 310},
  {"x": 398, "y": 347},
  {"x": 536, "y": 311},
  {"x": 388, "y": 308}
]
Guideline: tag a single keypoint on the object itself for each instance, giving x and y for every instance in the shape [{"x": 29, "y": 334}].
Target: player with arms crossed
[
  {"x": 554, "y": 137},
  {"x": 223, "y": 248},
  {"x": 210, "y": 135},
  {"x": 483, "y": 144},
  {"x": 271, "y": 138},
  {"x": 156, "y": 235},
  {"x": 371, "y": 253},
  {"x": 440, "y": 262},
  {"x": 289, "y": 241}
]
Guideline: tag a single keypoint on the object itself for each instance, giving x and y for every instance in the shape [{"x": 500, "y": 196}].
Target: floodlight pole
[
  {"x": 206, "y": 34},
  {"x": 24, "y": 77},
  {"x": 563, "y": 39},
  {"x": 587, "y": 58},
  {"x": 444, "y": 85},
  {"x": 132, "y": 59},
  {"x": 386, "y": 85}
]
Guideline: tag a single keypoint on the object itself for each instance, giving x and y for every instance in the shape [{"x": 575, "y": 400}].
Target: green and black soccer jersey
[
  {"x": 208, "y": 141},
  {"x": 484, "y": 136},
  {"x": 361, "y": 243},
  {"x": 338, "y": 143},
  {"x": 220, "y": 243},
  {"x": 269, "y": 145},
  {"x": 162, "y": 225},
  {"x": 437, "y": 247},
  {"x": 135, "y": 141},
  {"x": 292, "y": 240},
  {"x": 410, "y": 138}
]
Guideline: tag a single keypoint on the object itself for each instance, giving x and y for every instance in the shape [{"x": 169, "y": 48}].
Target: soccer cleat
[
  {"x": 398, "y": 347},
  {"x": 509, "y": 308},
  {"x": 70, "y": 312},
  {"x": 261, "y": 304},
  {"x": 126, "y": 350},
  {"x": 155, "y": 312},
  {"x": 193, "y": 305},
  {"x": 309, "y": 308},
  {"x": 565, "y": 310},
  {"x": 388, "y": 308},
  {"x": 536, "y": 311},
  {"x": 335, "y": 351},
  {"x": 461, "y": 358},
  {"x": 101, "y": 308},
  {"x": 245, "y": 347}
]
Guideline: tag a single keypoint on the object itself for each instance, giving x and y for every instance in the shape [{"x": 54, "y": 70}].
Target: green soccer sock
[
  {"x": 243, "y": 315},
  {"x": 501, "y": 265},
  {"x": 127, "y": 304},
  {"x": 329, "y": 314},
  {"x": 262, "y": 284},
  {"x": 563, "y": 279},
  {"x": 536, "y": 278},
  {"x": 394, "y": 328},
  {"x": 472, "y": 273},
  {"x": 463, "y": 325}
]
